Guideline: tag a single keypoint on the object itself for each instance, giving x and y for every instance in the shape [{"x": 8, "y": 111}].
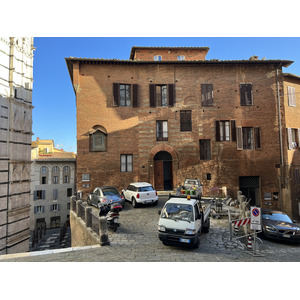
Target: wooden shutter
[
  {"x": 233, "y": 131},
  {"x": 291, "y": 96},
  {"x": 203, "y": 94},
  {"x": 152, "y": 94},
  {"x": 35, "y": 209},
  {"x": 134, "y": 95},
  {"x": 290, "y": 138},
  {"x": 51, "y": 207},
  {"x": 257, "y": 138},
  {"x": 43, "y": 192},
  {"x": 171, "y": 94},
  {"x": 58, "y": 206},
  {"x": 217, "y": 131},
  {"x": 43, "y": 208},
  {"x": 239, "y": 135},
  {"x": 242, "y": 94},
  {"x": 299, "y": 138},
  {"x": 116, "y": 93},
  {"x": 34, "y": 195}
]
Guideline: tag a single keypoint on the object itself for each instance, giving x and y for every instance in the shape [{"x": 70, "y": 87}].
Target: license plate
[
  {"x": 185, "y": 240},
  {"x": 286, "y": 235}
]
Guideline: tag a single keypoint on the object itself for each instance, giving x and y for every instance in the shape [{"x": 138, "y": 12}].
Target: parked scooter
[{"x": 111, "y": 211}]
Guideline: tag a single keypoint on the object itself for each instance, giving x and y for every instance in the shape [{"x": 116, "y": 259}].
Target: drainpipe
[{"x": 280, "y": 135}]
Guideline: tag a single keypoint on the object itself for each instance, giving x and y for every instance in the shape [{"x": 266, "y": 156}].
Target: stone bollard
[
  {"x": 78, "y": 202},
  {"x": 88, "y": 216},
  {"x": 103, "y": 232}
]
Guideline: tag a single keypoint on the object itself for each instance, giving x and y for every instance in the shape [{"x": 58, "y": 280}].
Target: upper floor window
[
  {"x": 162, "y": 95},
  {"x": 85, "y": 177},
  {"x": 55, "y": 174},
  {"x": 161, "y": 130},
  {"x": 125, "y": 94},
  {"x": 248, "y": 138},
  {"x": 291, "y": 96},
  {"x": 157, "y": 58},
  {"x": 223, "y": 130},
  {"x": 207, "y": 94},
  {"x": 44, "y": 175},
  {"x": 98, "y": 141},
  {"x": 180, "y": 57},
  {"x": 293, "y": 135},
  {"x": 185, "y": 120},
  {"x": 66, "y": 171},
  {"x": 246, "y": 94}
]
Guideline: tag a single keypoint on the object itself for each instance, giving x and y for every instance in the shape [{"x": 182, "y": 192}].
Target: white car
[{"x": 140, "y": 192}]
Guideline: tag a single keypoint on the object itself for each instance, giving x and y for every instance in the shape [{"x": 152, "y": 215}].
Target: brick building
[{"x": 167, "y": 113}]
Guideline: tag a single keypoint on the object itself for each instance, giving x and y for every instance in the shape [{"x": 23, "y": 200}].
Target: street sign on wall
[{"x": 255, "y": 218}]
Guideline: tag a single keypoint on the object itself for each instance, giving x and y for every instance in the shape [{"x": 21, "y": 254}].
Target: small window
[
  {"x": 157, "y": 58},
  {"x": 205, "y": 149},
  {"x": 185, "y": 120},
  {"x": 180, "y": 57},
  {"x": 246, "y": 94},
  {"x": 161, "y": 130},
  {"x": 54, "y": 207},
  {"x": 39, "y": 209},
  {"x": 125, "y": 95},
  {"x": 55, "y": 179},
  {"x": 293, "y": 138},
  {"x": 39, "y": 194},
  {"x": 98, "y": 141},
  {"x": 85, "y": 177},
  {"x": 207, "y": 94},
  {"x": 69, "y": 192},
  {"x": 126, "y": 163},
  {"x": 44, "y": 180},
  {"x": 55, "y": 194},
  {"x": 66, "y": 179}
]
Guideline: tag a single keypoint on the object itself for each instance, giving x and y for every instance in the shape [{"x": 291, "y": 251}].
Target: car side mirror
[
  {"x": 159, "y": 211},
  {"x": 294, "y": 221}
]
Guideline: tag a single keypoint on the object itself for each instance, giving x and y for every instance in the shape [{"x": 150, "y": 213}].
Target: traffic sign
[{"x": 255, "y": 218}]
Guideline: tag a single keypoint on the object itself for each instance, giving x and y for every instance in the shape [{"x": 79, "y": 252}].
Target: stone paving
[{"x": 136, "y": 241}]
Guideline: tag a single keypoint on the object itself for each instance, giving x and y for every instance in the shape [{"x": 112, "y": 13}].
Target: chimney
[
  {"x": 37, "y": 138},
  {"x": 254, "y": 57}
]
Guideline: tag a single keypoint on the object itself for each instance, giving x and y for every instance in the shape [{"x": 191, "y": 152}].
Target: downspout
[{"x": 280, "y": 135}]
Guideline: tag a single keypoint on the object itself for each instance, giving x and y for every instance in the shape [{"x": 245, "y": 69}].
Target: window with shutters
[
  {"x": 39, "y": 209},
  {"x": 207, "y": 94},
  {"x": 66, "y": 174},
  {"x": 185, "y": 120},
  {"x": 98, "y": 141},
  {"x": 39, "y": 195},
  {"x": 54, "y": 207},
  {"x": 157, "y": 58},
  {"x": 246, "y": 94},
  {"x": 225, "y": 130},
  {"x": 126, "y": 162},
  {"x": 205, "y": 149},
  {"x": 125, "y": 95},
  {"x": 291, "y": 96},
  {"x": 161, "y": 130},
  {"x": 248, "y": 138},
  {"x": 162, "y": 95},
  {"x": 180, "y": 57},
  {"x": 293, "y": 136}
]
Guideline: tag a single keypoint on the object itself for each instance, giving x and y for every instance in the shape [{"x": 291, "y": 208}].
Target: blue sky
[{"x": 54, "y": 113}]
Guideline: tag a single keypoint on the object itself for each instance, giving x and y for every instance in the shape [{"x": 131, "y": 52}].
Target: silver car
[{"x": 105, "y": 195}]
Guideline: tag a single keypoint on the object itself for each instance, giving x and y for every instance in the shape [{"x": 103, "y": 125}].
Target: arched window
[
  {"x": 98, "y": 139},
  {"x": 44, "y": 175},
  {"x": 55, "y": 175}
]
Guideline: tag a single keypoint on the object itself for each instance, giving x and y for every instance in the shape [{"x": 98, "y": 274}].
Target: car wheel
[{"x": 134, "y": 204}]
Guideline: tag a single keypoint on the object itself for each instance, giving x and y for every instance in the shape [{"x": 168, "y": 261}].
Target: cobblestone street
[{"x": 136, "y": 241}]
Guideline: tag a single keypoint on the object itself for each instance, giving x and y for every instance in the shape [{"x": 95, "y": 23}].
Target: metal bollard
[
  {"x": 88, "y": 217},
  {"x": 103, "y": 232}
]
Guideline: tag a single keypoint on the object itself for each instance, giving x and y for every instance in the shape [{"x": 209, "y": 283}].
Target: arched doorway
[{"x": 163, "y": 171}]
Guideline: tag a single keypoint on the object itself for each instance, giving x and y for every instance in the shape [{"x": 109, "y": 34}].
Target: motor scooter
[{"x": 111, "y": 211}]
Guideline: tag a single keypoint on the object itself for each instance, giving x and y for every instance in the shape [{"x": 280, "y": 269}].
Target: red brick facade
[{"x": 133, "y": 130}]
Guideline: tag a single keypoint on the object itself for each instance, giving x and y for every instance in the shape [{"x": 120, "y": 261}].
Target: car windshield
[
  {"x": 276, "y": 217},
  {"x": 146, "y": 188},
  {"x": 110, "y": 192},
  {"x": 176, "y": 212}
]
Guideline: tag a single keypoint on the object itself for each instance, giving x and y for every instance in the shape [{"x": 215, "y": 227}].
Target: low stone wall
[{"x": 81, "y": 235}]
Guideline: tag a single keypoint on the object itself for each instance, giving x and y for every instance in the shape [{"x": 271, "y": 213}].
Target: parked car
[
  {"x": 140, "y": 192},
  {"x": 104, "y": 195},
  {"x": 278, "y": 225}
]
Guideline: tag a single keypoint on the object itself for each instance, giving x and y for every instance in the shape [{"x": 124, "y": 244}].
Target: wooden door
[{"x": 159, "y": 175}]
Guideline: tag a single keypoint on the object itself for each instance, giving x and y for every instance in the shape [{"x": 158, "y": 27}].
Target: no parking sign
[{"x": 255, "y": 218}]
